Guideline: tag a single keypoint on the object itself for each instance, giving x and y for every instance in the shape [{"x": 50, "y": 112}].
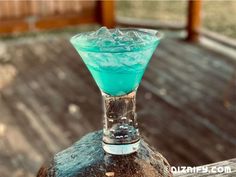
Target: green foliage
[{"x": 220, "y": 16}]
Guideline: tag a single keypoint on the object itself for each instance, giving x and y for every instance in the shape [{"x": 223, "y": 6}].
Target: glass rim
[{"x": 154, "y": 32}]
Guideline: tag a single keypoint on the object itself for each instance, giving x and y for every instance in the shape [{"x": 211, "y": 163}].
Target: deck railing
[{"x": 20, "y": 16}]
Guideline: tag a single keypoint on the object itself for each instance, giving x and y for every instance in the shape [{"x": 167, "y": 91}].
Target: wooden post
[
  {"x": 194, "y": 20},
  {"x": 106, "y": 13}
]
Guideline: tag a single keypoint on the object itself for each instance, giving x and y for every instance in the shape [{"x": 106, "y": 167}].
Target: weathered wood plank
[{"x": 18, "y": 157}]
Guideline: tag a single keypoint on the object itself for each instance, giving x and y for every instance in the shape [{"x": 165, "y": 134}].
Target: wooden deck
[{"x": 49, "y": 100}]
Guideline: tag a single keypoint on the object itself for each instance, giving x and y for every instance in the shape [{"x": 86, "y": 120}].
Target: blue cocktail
[{"x": 117, "y": 59}]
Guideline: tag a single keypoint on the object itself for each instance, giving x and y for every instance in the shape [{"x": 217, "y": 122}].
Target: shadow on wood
[{"x": 86, "y": 158}]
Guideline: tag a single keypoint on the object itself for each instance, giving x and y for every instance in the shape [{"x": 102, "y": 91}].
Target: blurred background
[{"x": 186, "y": 103}]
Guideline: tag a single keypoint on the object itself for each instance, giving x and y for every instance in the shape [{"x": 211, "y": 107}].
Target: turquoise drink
[{"x": 117, "y": 59}]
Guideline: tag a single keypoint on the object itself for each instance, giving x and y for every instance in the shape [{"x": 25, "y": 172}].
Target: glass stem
[{"x": 120, "y": 132}]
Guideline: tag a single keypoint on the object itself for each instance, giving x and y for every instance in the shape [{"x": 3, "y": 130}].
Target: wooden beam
[
  {"x": 148, "y": 23},
  {"x": 13, "y": 26},
  {"x": 106, "y": 13},
  {"x": 48, "y": 22},
  {"x": 194, "y": 20},
  {"x": 222, "y": 39},
  {"x": 63, "y": 20}
]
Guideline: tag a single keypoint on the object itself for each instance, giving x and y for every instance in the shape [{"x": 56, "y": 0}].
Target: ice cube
[
  {"x": 135, "y": 36},
  {"x": 103, "y": 32},
  {"x": 105, "y": 43},
  {"x": 104, "y": 38},
  {"x": 118, "y": 32}
]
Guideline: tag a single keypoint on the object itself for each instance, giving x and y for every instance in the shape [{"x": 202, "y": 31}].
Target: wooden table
[{"x": 46, "y": 105}]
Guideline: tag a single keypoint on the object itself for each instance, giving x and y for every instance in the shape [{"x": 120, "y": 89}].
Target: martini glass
[{"x": 117, "y": 59}]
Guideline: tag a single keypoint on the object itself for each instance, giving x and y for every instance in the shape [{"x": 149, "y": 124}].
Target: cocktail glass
[{"x": 117, "y": 59}]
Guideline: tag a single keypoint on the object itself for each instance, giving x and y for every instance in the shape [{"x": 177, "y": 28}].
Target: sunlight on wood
[
  {"x": 73, "y": 108},
  {"x": 2, "y": 129},
  {"x": 7, "y": 73},
  {"x": 110, "y": 174}
]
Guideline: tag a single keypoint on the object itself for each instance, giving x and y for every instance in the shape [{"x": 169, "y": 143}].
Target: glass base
[{"x": 121, "y": 149}]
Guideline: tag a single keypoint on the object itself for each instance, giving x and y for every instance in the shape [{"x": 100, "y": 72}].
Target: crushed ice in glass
[{"x": 115, "y": 40}]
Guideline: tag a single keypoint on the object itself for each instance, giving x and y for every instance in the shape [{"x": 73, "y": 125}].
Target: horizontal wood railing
[
  {"x": 149, "y": 23},
  {"x": 226, "y": 41},
  {"x": 21, "y": 16}
]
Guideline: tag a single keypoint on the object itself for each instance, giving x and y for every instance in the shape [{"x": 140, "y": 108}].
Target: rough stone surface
[{"x": 86, "y": 158}]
